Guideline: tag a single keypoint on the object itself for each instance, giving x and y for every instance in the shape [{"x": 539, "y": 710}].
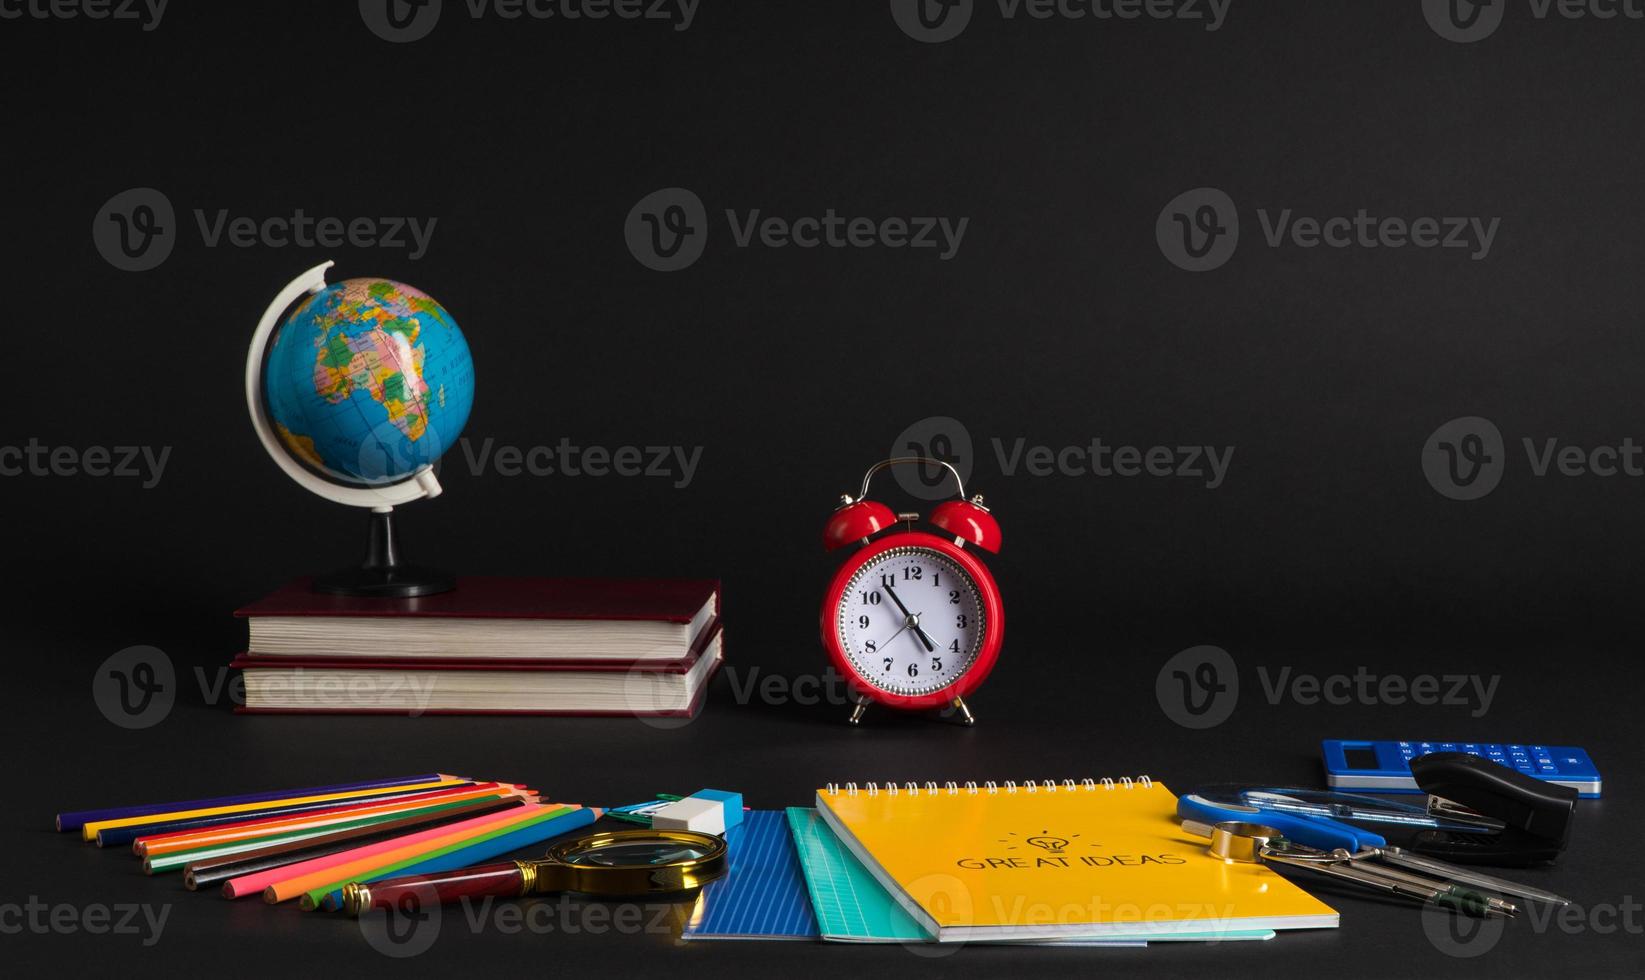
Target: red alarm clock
[{"x": 913, "y": 620}]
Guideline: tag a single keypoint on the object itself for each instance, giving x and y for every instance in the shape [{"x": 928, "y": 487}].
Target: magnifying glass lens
[{"x": 637, "y": 853}]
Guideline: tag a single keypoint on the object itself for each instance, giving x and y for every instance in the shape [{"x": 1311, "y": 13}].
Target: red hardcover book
[
  {"x": 490, "y": 646},
  {"x": 559, "y": 620},
  {"x": 330, "y": 685}
]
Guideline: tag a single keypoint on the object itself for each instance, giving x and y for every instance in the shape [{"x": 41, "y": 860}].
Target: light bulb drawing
[{"x": 1044, "y": 840}]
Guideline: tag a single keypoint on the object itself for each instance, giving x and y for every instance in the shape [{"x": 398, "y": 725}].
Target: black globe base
[{"x": 383, "y": 575}]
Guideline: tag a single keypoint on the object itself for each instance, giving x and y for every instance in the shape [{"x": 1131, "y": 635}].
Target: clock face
[{"x": 911, "y": 621}]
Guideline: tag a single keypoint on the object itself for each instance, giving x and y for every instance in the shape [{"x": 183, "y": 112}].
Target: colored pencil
[
  {"x": 200, "y": 874},
  {"x": 171, "y": 862},
  {"x": 177, "y": 859},
  {"x": 216, "y": 837},
  {"x": 464, "y": 856},
  {"x": 289, "y": 882},
  {"x": 174, "y": 840},
  {"x": 89, "y": 830},
  {"x": 125, "y": 835},
  {"x": 539, "y": 827},
  {"x": 75, "y": 819}
]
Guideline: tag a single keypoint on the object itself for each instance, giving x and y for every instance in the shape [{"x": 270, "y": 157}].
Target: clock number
[
  {"x": 913, "y": 573},
  {"x": 953, "y": 597},
  {"x": 870, "y": 598},
  {"x": 936, "y": 580},
  {"x": 913, "y": 670},
  {"x": 958, "y": 620},
  {"x": 863, "y": 621},
  {"x": 888, "y": 579},
  {"x": 888, "y": 663},
  {"x": 936, "y": 665},
  {"x": 871, "y": 646},
  {"x": 954, "y": 647}
]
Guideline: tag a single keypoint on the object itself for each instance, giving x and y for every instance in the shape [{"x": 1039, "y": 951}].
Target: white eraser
[{"x": 703, "y": 816}]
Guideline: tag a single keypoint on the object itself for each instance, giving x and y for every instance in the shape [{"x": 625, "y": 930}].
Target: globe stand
[{"x": 384, "y": 575}]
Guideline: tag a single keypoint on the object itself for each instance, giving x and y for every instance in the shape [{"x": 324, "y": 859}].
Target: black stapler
[{"x": 1535, "y": 816}]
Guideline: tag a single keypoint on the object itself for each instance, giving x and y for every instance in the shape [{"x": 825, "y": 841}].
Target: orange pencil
[
  {"x": 141, "y": 844},
  {"x": 188, "y": 840}
]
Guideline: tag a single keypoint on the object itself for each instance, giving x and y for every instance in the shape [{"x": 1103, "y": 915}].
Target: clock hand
[
  {"x": 913, "y": 621},
  {"x": 893, "y": 636}
]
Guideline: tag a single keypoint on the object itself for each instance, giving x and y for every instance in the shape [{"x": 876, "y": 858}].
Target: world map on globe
[{"x": 368, "y": 381}]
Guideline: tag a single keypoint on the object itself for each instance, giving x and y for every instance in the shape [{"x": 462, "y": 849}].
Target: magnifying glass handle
[{"x": 507, "y": 879}]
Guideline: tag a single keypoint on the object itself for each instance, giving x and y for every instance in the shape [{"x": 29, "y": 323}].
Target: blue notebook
[{"x": 762, "y": 895}]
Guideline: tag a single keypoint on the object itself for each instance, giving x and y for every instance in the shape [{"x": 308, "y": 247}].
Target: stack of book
[{"x": 490, "y": 646}]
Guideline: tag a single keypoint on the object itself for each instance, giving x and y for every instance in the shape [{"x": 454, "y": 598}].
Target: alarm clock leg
[
  {"x": 858, "y": 711},
  {"x": 966, "y": 717}
]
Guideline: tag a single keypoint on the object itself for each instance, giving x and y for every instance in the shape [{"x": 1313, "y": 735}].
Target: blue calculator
[{"x": 1385, "y": 767}]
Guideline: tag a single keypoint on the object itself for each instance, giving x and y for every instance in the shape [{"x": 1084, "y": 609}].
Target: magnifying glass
[{"x": 613, "y": 864}]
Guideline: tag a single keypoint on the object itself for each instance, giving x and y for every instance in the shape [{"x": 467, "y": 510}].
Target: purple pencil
[{"x": 74, "y": 820}]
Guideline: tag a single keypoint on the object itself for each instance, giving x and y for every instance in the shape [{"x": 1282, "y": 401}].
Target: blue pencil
[
  {"x": 75, "y": 819},
  {"x": 477, "y": 853}
]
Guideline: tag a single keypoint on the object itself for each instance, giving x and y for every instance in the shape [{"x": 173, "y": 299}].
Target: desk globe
[{"x": 356, "y": 392}]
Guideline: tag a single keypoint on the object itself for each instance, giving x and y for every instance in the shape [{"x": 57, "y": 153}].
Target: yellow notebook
[{"x": 1047, "y": 860}]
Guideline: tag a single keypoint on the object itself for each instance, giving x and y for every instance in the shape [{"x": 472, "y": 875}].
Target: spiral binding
[{"x": 989, "y": 788}]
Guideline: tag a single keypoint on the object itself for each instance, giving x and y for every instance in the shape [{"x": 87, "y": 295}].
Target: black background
[{"x": 1058, "y": 320}]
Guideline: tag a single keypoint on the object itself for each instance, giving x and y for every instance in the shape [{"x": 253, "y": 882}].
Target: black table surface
[
  {"x": 1102, "y": 719},
  {"x": 1332, "y": 545}
]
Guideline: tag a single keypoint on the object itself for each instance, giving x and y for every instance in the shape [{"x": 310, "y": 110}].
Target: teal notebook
[{"x": 852, "y": 907}]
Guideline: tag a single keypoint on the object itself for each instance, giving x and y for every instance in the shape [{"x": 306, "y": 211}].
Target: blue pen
[{"x": 1318, "y": 832}]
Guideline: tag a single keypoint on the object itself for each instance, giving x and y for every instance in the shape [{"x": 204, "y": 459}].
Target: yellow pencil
[{"x": 89, "y": 831}]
